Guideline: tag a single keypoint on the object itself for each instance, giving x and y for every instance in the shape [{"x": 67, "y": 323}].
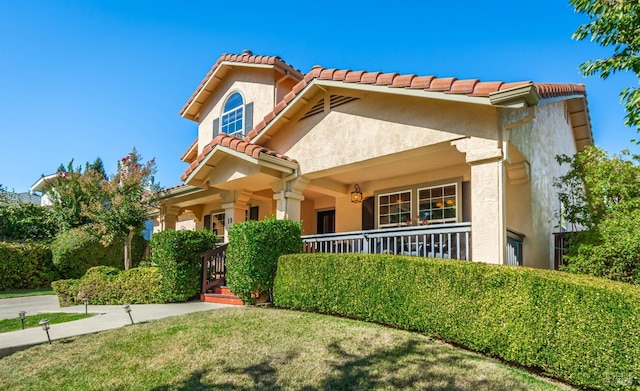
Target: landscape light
[
  {"x": 86, "y": 304},
  {"x": 22, "y": 313},
  {"x": 45, "y": 326},
  {"x": 127, "y": 309}
]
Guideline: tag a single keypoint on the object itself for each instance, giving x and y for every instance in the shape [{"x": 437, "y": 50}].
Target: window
[
  {"x": 233, "y": 115},
  {"x": 438, "y": 204},
  {"x": 394, "y": 209},
  {"x": 215, "y": 223}
]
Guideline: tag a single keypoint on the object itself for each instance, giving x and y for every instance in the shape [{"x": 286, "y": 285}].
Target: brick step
[
  {"x": 223, "y": 290},
  {"x": 220, "y": 299}
]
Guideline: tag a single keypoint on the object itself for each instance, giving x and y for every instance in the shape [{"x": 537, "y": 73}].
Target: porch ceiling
[{"x": 412, "y": 165}]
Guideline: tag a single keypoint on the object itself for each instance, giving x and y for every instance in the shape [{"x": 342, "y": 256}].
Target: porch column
[
  {"x": 168, "y": 217},
  {"x": 488, "y": 240},
  {"x": 288, "y": 196},
  {"x": 235, "y": 209}
]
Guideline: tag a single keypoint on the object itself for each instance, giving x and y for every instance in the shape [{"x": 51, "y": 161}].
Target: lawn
[
  {"x": 14, "y": 324},
  {"x": 249, "y": 348},
  {"x": 25, "y": 292}
]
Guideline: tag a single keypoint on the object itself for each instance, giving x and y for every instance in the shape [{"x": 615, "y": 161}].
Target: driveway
[{"x": 9, "y": 308}]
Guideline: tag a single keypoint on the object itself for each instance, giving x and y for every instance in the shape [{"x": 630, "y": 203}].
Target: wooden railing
[
  {"x": 213, "y": 267},
  {"x": 437, "y": 240}
]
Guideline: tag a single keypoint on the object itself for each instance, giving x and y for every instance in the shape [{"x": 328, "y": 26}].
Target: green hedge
[
  {"x": 581, "y": 329},
  {"x": 252, "y": 255},
  {"x": 177, "y": 255},
  {"x": 77, "y": 250},
  {"x": 25, "y": 266},
  {"x": 109, "y": 285}
]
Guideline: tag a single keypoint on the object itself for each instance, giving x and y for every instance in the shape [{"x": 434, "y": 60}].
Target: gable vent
[
  {"x": 338, "y": 100},
  {"x": 316, "y": 109}
]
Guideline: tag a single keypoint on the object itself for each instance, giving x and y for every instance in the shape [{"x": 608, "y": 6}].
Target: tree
[
  {"x": 601, "y": 196},
  {"x": 124, "y": 200},
  {"x": 614, "y": 23}
]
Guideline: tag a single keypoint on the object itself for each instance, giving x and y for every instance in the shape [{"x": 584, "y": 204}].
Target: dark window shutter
[
  {"x": 368, "y": 213},
  {"x": 207, "y": 222},
  {"x": 216, "y": 127},
  {"x": 466, "y": 201},
  {"x": 248, "y": 117},
  {"x": 253, "y": 213}
]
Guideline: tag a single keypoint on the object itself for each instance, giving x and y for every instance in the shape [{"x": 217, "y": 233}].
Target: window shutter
[
  {"x": 248, "y": 117},
  {"x": 216, "y": 127},
  {"x": 368, "y": 213},
  {"x": 207, "y": 222}
]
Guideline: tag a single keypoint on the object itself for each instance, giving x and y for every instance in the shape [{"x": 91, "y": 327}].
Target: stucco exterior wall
[
  {"x": 257, "y": 86},
  {"x": 378, "y": 125},
  {"x": 547, "y": 135}
]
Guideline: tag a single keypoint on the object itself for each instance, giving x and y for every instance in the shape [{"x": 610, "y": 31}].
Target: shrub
[
  {"x": 25, "y": 265},
  {"x": 581, "y": 329},
  {"x": 77, "y": 250},
  {"x": 177, "y": 255},
  {"x": 252, "y": 255},
  {"x": 109, "y": 285},
  {"x": 25, "y": 221}
]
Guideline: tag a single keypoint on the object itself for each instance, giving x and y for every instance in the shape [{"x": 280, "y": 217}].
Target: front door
[{"x": 326, "y": 222}]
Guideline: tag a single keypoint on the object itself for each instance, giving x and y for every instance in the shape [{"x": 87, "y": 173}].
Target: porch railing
[
  {"x": 514, "y": 247},
  {"x": 213, "y": 268},
  {"x": 438, "y": 240}
]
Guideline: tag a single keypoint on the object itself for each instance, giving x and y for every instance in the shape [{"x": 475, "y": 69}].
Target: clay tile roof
[
  {"x": 326, "y": 74},
  {"x": 402, "y": 81},
  {"x": 386, "y": 78},
  {"x": 551, "y": 90},
  {"x": 441, "y": 84},
  {"x": 243, "y": 58},
  {"x": 463, "y": 86},
  {"x": 233, "y": 143},
  {"x": 369, "y": 77},
  {"x": 353, "y": 76},
  {"x": 484, "y": 88},
  {"x": 421, "y": 82},
  {"x": 340, "y": 74}
]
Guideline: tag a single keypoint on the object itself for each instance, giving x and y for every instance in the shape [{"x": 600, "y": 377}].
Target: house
[
  {"x": 379, "y": 162},
  {"x": 39, "y": 187}
]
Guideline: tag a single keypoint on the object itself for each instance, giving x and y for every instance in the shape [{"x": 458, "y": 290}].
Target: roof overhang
[
  {"x": 517, "y": 97},
  {"x": 204, "y": 175},
  {"x": 42, "y": 182}
]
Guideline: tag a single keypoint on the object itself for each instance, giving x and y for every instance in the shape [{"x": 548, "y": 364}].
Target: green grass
[
  {"x": 249, "y": 348},
  {"x": 26, "y": 292},
  {"x": 14, "y": 324}
]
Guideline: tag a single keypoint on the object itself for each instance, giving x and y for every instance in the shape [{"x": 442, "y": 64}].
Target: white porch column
[
  {"x": 488, "y": 225},
  {"x": 235, "y": 209},
  {"x": 288, "y": 196}
]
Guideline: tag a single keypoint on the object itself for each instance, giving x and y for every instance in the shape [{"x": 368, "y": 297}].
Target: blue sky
[{"x": 81, "y": 79}]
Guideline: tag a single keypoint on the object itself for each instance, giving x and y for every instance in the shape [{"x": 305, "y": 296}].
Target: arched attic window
[{"x": 235, "y": 115}]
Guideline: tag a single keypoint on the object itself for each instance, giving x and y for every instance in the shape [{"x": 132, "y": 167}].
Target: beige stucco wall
[
  {"x": 378, "y": 125},
  {"x": 255, "y": 85},
  {"x": 539, "y": 141}
]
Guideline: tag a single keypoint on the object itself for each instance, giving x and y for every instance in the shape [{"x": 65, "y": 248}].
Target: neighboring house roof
[
  {"x": 42, "y": 181},
  {"x": 201, "y": 94},
  {"x": 235, "y": 144}
]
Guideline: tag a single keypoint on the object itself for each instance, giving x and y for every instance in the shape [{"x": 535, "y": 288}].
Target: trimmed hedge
[
  {"x": 109, "y": 285},
  {"x": 177, "y": 256},
  {"x": 25, "y": 266},
  {"x": 252, "y": 255},
  {"x": 581, "y": 329},
  {"x": 75, "y": 251}
]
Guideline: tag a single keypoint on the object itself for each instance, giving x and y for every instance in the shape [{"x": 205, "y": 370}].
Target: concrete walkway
[{"x": 109, "y": 317}]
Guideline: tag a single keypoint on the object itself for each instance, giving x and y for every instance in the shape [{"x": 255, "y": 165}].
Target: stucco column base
[
  {"x": 488, "y": 232},
  {"x": 168, "y": 218}
]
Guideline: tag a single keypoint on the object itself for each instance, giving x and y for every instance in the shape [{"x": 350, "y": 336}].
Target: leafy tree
[
  {"x": 601, "y": 196},
  {"x": 614, "y": 23},
  {"x": 124, "y": 201},
  {"x": 20, "y": 221}
]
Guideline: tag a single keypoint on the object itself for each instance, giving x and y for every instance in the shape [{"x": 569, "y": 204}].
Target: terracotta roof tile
[
  {"x": 402, "y": 81},
  {"x": 369, "y": 77},
  {"x": 353, "y": 76},
  {"x": 550, "y": 90},
  {"x": 441, "y": 84},
  {"x": 484, "y": 88},
  {"x": 326, "y": 74},
  {"x": 422, "y": 82},
  {"x": 463, "y": 86},
  {"x": 340, "y": 74},
  {"x": 386, "y": 79}
]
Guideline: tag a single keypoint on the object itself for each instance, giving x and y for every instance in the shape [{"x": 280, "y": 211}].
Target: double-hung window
[
  {"x": 437, "y": 204},
  {"x": 232, "y": 119}
]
